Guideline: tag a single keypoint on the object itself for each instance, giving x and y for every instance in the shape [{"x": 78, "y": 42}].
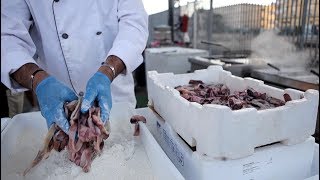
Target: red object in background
[
  {"x": 155, "y": 44},
  {"x": 184, "y": 23}
]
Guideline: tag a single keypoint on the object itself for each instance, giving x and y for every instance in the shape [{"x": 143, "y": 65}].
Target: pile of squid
[
  {"x": 86, "y": 135},
  {"x": 84, "y": 140},
  {"x": 197, "y": 91}
]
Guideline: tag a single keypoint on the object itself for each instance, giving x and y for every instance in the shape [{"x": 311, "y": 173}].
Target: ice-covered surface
[{"x": 123, "y": 156}]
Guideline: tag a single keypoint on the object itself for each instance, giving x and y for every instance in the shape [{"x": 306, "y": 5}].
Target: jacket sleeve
[
  {"x": 17, "y": 47},
  {"x": 132, "y": 35}
]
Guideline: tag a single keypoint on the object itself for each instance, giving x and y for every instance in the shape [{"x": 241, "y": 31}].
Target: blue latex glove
[
  {"x": 52, "y": 95},
  {"x": 98, "y": 88}
]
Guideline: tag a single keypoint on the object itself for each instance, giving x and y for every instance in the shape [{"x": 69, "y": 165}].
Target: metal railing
[{"x": 236, "y": 26}]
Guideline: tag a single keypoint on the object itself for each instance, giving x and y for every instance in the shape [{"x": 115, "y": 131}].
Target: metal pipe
[
  {"x": 317, "y": 47},
  {"x": 264, "y": 9},
  {"x": 170, "y": 18},
  {"x": 314, "y": 15},
  {"x": 272, "y": 16},
  {"x": 267, "y": 17},
  {"x": 233, "y": 14},
  {"x": 304, "y": 15},
  {"x": 295, "y": 21},
  {"x": 239, "y": 24},
  {"x": 282, "y": 14},
  {"x": 273, "y": 66},
  {"x": 243, "y": 26},
  {"x": 247, "y": 27},
  {"x": 195, "y": 22},
  {"x": 314, "y": 72},
  {"x": 291, "y": 17},
  {"x": 278, "y": 14},
  {"x": 210, "y": 22},
  {"x": 250, "y": 24},
  {"x": 259, "y": 17},
  {"x": 215, "y": 44},
  {"x": 313, "y": 22},
  {"x": 240, "y": 27},
  {"x": 255, "y": 18},
  {"x": 262, "y": 18},
  {"x": 300, "y": 21},
  {"x": 287, "y": 14},
  {"x": 260, "y": 11},
  {"x": 308, "y": 21},
  {"x": 236, "y": 27},
  {"x": 250, "y": 16},
  {"x": 311, "y": 42}
]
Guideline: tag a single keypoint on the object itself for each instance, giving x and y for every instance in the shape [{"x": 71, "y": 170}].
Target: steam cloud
[{"x": 278, "y": 50}]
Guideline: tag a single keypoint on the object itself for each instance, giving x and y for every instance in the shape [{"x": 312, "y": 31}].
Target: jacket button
[
  {"x": 65, "y": 36},
  {"x": 98, "y": 33},
  {"x": 56, "y": 0}
]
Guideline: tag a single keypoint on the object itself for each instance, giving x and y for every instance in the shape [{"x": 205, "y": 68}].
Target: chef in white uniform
[{"x": 56, "y": 48}]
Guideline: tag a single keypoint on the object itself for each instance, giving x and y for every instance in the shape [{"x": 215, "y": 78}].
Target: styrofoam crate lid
[{"x": 175, "y": 50}]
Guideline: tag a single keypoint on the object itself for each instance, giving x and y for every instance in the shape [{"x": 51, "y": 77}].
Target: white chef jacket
[{"x": 70, "y": 38}]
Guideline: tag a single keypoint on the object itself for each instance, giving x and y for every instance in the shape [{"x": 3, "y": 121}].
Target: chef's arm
[
  {"x": 23, "y": 75},
  {"x": 17, "y": 47},
  {"x": 51, "y": 93},
  {"x": 133, "y": 34},
  {"x": 17, "y": 64},
  {"x": 115, "y": 62}
]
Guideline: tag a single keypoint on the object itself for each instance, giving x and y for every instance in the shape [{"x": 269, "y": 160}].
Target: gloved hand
[
  {"x": 52, "y": 95},
  {"x": 98, "y": 88}
]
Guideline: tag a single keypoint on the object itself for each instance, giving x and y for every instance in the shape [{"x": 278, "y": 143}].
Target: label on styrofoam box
[
  {"x": 171, "y": 144},
  {"x": 254, "y": 166},
  {"x": 274, "y": 161}
]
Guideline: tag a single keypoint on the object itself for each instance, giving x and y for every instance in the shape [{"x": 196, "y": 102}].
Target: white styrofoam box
[
  {"x": 160, "y": 163},
  {"x": 219, "y": 132},
  {"x": 315, "y": 162},
  {"x": 170, "y": 59},
  {"x": 276, "y": 161},
  {"x": 33, "y": 127}
]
